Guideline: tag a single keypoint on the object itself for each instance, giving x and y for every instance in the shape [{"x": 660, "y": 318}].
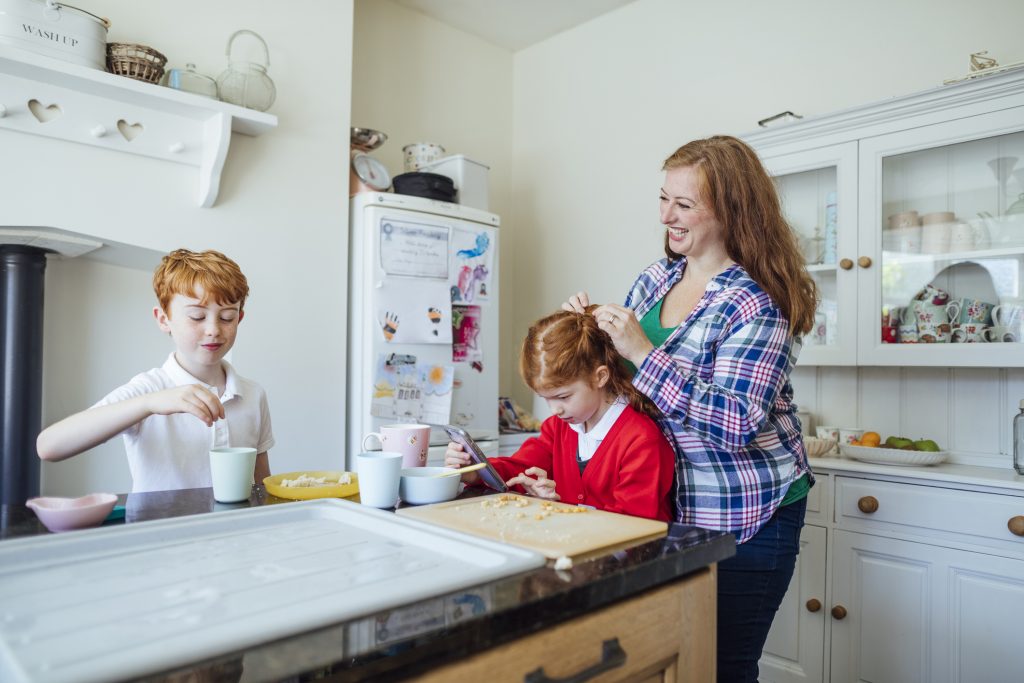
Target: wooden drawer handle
[
  {"x": 867, "y": 504},
  {"x": 1016, "y": 525},
  {"x": 845, "y": 264},
  {"x": 838, "y": 612},
  {"x": 612, "y": 657},
  {"x": 864, "y": 262},
  {"x": 813, "y": 605}
]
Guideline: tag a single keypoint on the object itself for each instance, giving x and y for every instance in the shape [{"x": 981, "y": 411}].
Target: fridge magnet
[
  {"x": 414, "y": 249},
  {"x": 466, "y": 334},
  {"x": 471, "y": 266},
  {"x": 414, "y": 311}
]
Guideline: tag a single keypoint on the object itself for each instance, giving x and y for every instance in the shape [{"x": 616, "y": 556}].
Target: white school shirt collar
[
  {"x": 589, "y": 442},
  {"x": 180, "y": 376}
]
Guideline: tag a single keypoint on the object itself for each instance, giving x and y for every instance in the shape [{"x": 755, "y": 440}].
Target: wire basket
[{"x": 140, "y": 62}]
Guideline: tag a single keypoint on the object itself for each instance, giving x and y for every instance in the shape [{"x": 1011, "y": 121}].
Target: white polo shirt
[
  {"x": 173, "y": 451},
  {"x": 590, "y": 441}
]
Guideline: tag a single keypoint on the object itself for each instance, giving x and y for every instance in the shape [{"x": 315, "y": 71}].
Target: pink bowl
[{"x": 63, "y": 514}]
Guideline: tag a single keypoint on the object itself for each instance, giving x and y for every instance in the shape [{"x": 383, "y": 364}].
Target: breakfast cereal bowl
[
  {"x": 64, "y": 514},
  {"x": 421, "y": 485}
]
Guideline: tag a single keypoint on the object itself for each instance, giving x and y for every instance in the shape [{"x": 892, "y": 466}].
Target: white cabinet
[
  {"x": 892, "y": 198},
  {"x": 881, "y": 611},
  {"x": 795, "y": 649},
  {"x": 921, "y": 613},
  {"x": 917, "y": 580}
]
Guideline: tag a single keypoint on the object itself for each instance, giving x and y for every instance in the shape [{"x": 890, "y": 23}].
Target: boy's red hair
[
  {"x": 565, "y": 346},
  {"x": 182, "y": 270}
]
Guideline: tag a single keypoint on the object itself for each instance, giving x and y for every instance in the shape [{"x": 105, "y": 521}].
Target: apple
[
  {"x": 909, "y": 447},
  {"x": 897, "y": 442},
  {"x": 927, "y": 445}
]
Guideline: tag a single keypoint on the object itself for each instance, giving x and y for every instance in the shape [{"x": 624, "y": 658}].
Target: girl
[{"x": 600, "y": 447}]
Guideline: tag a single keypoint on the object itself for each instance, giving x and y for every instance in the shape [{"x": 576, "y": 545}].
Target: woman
[{"x": 714, "y": 330}]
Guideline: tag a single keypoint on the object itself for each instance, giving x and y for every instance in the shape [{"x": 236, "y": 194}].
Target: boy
[{"x": 173, "y": 415}]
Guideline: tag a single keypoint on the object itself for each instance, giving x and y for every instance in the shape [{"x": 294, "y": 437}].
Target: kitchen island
[{"x": 644, "y": 612}]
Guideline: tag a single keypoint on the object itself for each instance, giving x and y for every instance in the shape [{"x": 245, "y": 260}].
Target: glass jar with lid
[{"x": 190, "y": 80}]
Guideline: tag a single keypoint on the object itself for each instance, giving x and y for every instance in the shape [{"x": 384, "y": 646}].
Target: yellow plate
[{"x": 274, "y": 487}]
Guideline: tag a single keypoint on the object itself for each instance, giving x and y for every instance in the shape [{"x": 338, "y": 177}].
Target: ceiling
[{"x": 513, "y": 24}]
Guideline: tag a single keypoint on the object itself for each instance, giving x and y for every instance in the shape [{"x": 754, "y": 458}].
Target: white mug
[
  {"x": 379, "y": 474},
  {"x": 231, "y": 470}
]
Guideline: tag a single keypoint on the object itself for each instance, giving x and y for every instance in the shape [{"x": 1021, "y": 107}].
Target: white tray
[
  {"x": 892, "y": 456},
  {"x": 126, "y": 601}
]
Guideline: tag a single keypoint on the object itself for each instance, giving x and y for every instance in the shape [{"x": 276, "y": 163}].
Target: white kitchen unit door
[
  {"x": 883, "y": 596},
  {"x": 795, "y": 649},
  {"x": 962, "y": 167},
  {"x": 818, "y": 191}
]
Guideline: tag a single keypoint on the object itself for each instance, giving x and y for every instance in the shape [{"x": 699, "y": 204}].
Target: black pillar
[{"x": 21, "y": 369}]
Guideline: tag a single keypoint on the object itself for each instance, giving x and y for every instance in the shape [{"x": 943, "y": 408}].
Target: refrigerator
[{"x": 423, "y": 320}]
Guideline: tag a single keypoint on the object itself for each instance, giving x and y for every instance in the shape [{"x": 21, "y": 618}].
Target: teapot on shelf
[{"x": 247, "y": 83}]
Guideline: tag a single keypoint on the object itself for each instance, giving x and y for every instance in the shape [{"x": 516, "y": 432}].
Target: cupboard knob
[
  {"x": 846, "y": 264},
  {"x": 864, "y": 262},
  {"x": 867, "y": 504},
  {"x": 813, "y": 605},
  {"x": 838, "y": 612},
  {"x": 1016, "y": 525}
]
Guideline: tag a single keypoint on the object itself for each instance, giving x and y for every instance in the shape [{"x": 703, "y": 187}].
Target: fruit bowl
[
  {"x": 892, "y": 456},
  {"x": 818, "y": 448}
]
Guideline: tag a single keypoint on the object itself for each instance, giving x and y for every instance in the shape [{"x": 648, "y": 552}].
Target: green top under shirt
[{"x": 651, "y": 325}]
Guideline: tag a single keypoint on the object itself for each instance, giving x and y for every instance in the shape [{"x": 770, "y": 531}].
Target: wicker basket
[{"x": 135, "y": 61}]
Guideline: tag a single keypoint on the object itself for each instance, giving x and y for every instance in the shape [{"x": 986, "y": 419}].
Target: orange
[
  {"x": 855, "y": 442},
  {"x": 870, "y": 439}
]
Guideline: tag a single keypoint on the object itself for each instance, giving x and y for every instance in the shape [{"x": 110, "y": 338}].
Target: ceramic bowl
[
  {"x": 817, "y": 447},
  {"x": 64, "y": 514},
  {"x": 421, "y": 485}
]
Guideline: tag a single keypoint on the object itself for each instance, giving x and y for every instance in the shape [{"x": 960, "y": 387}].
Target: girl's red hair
[{"x": 565, "y": 346}]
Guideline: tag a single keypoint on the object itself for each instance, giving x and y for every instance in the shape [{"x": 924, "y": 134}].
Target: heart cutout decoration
[
  {"x": 129, "y": 131},
  {"x": 44, "y": 113}
]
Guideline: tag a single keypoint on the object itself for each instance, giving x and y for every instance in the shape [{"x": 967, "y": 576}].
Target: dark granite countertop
[{"x": 400, "y": 643}]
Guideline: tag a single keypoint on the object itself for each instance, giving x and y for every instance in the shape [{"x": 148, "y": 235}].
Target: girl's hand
[
  {"x": 540, "y": 486},
  {"x": 457, "y": 458},
  {"x": 622, "y": 326},
  {"x": 577, "y": 303},
  {"x": 194, "y": 399}
]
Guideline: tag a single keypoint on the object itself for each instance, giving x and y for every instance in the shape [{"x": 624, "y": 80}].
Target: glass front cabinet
[{"x": 910, "y": 215}]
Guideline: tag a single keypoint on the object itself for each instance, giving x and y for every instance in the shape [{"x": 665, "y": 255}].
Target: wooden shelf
[{"x": 44, "y": 96}]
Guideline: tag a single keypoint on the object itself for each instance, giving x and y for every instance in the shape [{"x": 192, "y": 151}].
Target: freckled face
[
  {"x": 692, "y": 227},
  {"x": 203, "y": 334}
]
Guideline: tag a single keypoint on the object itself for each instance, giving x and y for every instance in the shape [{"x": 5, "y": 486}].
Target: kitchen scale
[{"x": 366, "y": 174}]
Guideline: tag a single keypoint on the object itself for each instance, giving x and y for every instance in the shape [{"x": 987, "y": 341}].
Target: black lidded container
[{"x": 429, "y": 185}]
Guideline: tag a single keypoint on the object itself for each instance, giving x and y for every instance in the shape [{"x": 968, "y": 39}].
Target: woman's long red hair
[{"x": 745, "y": 201}]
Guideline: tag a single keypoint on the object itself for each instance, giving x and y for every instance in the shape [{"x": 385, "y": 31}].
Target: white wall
[
  {"x": 599, "y": 107},
  {"x": 419, "y": 80},
  {"x": 281, "y": 214}
]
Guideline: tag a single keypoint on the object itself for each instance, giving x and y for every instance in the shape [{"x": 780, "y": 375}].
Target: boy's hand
[
  {"x": 194, "y": 399},
  {"x": 455, "y": 457},
  {"x": 540, "y": 486}
]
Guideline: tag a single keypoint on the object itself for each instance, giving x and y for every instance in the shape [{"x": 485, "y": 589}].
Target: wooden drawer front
[
  {"x": 977, "y": 517},
  {"x": 667, "y": 634}
]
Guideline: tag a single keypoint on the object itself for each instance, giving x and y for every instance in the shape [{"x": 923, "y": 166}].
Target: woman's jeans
[{"x": 751, "y": 586}]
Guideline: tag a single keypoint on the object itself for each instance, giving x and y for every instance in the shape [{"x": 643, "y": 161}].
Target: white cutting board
[
  {"x": 567, "y": 530},
  {"x": 129, "y": 600}
]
